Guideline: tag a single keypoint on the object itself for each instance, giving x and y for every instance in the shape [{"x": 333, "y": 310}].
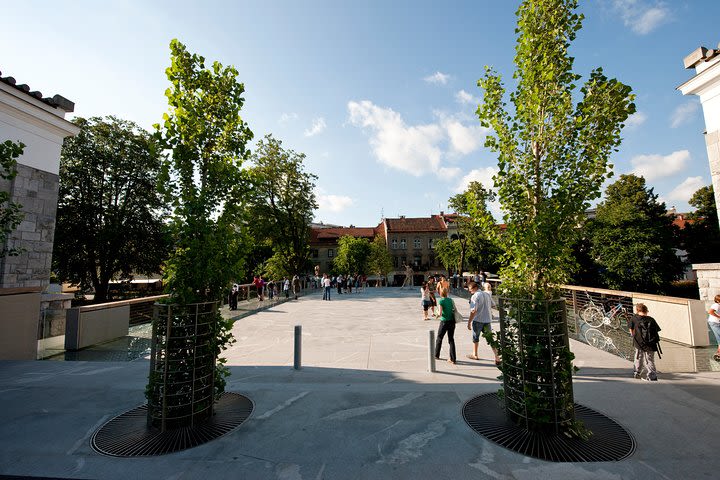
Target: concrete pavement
[{"x": 362, "y": 406}]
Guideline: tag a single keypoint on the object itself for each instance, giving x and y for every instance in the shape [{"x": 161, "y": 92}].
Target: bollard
[
  {"x": 298, "y": 347},
  {"x": 431, "y": 359}
]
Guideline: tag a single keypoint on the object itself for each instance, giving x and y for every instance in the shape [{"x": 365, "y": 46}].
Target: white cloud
[
  {"x": 318, "y": 126},
  {"x": 287, "y": 117},
  {"x": 635, "y": 120},
  {"x": 437, "y": 78},
  {"x": 448, "y": 172},
  {"x": 657, "y": 166},
  {"x": 684, "y": 113},
  {"x": 482, "y": 175},
  {"x": 684, "y": 191},
  {"x": 642, "y": 16},
  {"x": 466, "y": 98},
  {"x": 464, "y": 140},
  {"x": 411, "y": 149},
  {"x": 332, "y": 203}
]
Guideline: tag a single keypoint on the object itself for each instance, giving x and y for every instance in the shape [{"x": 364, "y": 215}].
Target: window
[
  {"x": 403, "y": 260},
  {"x": 331, "y": 253},
  {"x": 431, "y": 243},
  {"x": 417, "y": 260},
  {"x": 394, "y": 243},
  {"x": 314, "y": 253},
  {"x": 417, "y": 243},
  {"x": 403, "y": 244},
  {"x": 396, "y": 262}
]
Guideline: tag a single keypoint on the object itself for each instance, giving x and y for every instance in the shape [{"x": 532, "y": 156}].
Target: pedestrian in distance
[
  {"x": 296, "y": 286},
  {"x": 340, "y": 280},
  {"x": 479, "y": 321},
  {"x": 327, "y": 286},
  {"x": 646, "y": 339},
  {"x": 286, "y": 287},
  {"x": 425, "y": 300},
  {"x": 447, "y": 325},
  {"x": 234, "y": 297},
  {"x": 714, "y": 323},
  {"x": 271, "y": 289},
  {"x": 432, "y": 286}
]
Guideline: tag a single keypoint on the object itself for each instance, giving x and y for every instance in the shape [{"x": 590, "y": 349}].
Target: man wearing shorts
[{"x": 480, "y": 318}]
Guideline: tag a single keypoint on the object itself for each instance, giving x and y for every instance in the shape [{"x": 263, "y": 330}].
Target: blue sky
[{"x": 380, "y": 95}]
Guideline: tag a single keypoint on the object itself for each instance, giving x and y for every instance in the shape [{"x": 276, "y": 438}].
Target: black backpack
[{"x": 646, "y": 335}]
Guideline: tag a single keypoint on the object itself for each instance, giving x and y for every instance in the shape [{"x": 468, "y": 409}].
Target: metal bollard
[
  {"x": 431, "y": 359},
  {"x": 298, "y": 347}
]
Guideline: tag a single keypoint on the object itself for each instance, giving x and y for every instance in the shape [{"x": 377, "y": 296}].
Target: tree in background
[
  {"x": 380, "y": 261},
  {"x": 449, "y": 253},
  {"x": 10, "y": 214},
  {"x": 701, "y": 235},
  {"x": 109, "y": 210},
  {"x": 633, "y": 238},
  {"x": 475, "y": 223},
  {"x": 281, "y": 204},
  {"x": 353, "y": 255}
]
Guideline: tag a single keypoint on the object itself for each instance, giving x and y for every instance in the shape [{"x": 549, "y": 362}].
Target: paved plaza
[{"x": 363, "y": 406}]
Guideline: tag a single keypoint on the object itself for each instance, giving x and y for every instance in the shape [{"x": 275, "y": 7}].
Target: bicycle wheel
[
  {"x": 593, "y": 316},
  {"x": 620, "y": 321},
  {"x": 595, "y": 338}
]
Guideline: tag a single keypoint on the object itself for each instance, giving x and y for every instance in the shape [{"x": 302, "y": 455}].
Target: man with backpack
[{"x": 646, "y": 339}]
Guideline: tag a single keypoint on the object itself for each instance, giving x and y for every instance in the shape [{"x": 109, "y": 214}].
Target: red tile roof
[
  {"x": 332, "y": 234},
  {"x": 434, "y": 223}
]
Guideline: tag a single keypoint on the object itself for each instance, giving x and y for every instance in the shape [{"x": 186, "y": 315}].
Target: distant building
[{"x": 324, "y": 242}]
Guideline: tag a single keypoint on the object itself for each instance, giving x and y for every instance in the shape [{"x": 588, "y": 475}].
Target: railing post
[
  {"x": 297, "y": 363},
  {"x": 431, "y": 350}
]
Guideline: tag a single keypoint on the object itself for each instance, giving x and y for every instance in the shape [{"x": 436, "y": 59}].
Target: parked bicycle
[
  {"x": 597, "y": 339},
  {"x": 596, "y": 315}
]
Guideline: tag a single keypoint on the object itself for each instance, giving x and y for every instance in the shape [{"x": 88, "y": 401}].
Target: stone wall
[
  {"x": 37, "y": 192},
  {"x": 708, "y": 275}
]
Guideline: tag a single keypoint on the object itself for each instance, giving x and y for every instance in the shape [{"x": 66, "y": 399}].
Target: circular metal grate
[
  {"x": 128, "y": 435},
  {"x": 609, "y": 440}
]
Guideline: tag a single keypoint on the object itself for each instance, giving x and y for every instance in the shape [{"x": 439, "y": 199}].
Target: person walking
[
  {"x": 714, "y": 323},
  {"x": 234, "y": 297},
  {"x": 425, "y": 299},
  {"x": 296, "y": 286},
  {"x": 340, "y": 280},
  {"x": 644, "y": 330},
  {"x": 271, "y": 289},
  {"x": 479, "y": 321},
  {"x": 326, "y": 285},
  {"x": 286, "y": 287},
  {"x": 447, "y": 325}
]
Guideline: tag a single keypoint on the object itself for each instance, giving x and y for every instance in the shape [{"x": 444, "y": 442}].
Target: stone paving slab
[{"x": 362, "y": 407}]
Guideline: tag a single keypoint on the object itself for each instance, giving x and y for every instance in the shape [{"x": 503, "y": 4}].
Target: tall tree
[
  {"x": 108, "y": 217},
  {"x": 449, "y": 253},
  {"x": 553, "y": 157},
  {"x": 633, "y": 238},
  {"x": 701, "y": 236},
  {"x": 380, "y": 261},
  {"x": 352, "y": 255},
  {"x": 282, "y": 201},
  {"x": 10, "y": 214},
  {"x": 475, "y": 223}
]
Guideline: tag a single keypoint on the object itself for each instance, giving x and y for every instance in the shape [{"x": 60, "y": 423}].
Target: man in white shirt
[{"x": 481, "y": 304}]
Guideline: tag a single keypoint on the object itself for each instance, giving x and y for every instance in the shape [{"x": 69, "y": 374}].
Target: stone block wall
[
  {"x": 708, "y": 275},
  {"x": 37, "y": 192}
]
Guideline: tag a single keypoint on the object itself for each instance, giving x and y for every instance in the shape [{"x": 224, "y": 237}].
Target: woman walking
[
  {"x": 447, "y": 325},
  {"x": 426, "y": 300}
]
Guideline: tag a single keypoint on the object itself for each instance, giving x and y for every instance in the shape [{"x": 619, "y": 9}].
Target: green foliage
[
  {"x": 203, "y": 183},
  {"x": 477, "y": 234},
  {"x": 449, "y": 252},
  {"x": 353, "y": 255},
  {"x": 633, "y": 239},
  {"x": 206, "y": 137},
  {"x": 281, "y": 203},
  {"x": 553, "y": 156},
  {"x": 380, "y": 261},
  {"x": 10, "y": 214},
  {"x": 108, "y": 218},
  {"x": 701, "y": 236}
]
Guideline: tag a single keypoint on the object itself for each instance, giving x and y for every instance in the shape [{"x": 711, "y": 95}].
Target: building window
[
  {"x": 331, "y": 253},
  {"x": 403, "y": 260},
  {"x": 417, "y": 243},
  {"x": 314, "y": 253},
  {"x": 403, "y": 244},
  {"x": 431, "y": 243},
  {"x": 417, "y": 260},
  {"x": 394, "y": 243},
  {"x": 396, "y": 262}
]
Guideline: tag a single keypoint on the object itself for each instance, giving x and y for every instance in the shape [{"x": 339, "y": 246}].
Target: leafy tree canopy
[
  {"x": 633, "y": 239},
  {"x": 281, "y": 203},
  {"x": 202, "y": 179},
  {"x": 701, "y": 236},
  {"x": 553, "y": 155},
  {"x": 380, "y": 261},
  {"x": 108, "y": 218},
  {"x": 353, "y": 255}
]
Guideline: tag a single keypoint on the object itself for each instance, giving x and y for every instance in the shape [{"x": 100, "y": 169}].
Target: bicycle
[
  {"x": 596, "y": 315},
  {"x": 597, "y": 339}
]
